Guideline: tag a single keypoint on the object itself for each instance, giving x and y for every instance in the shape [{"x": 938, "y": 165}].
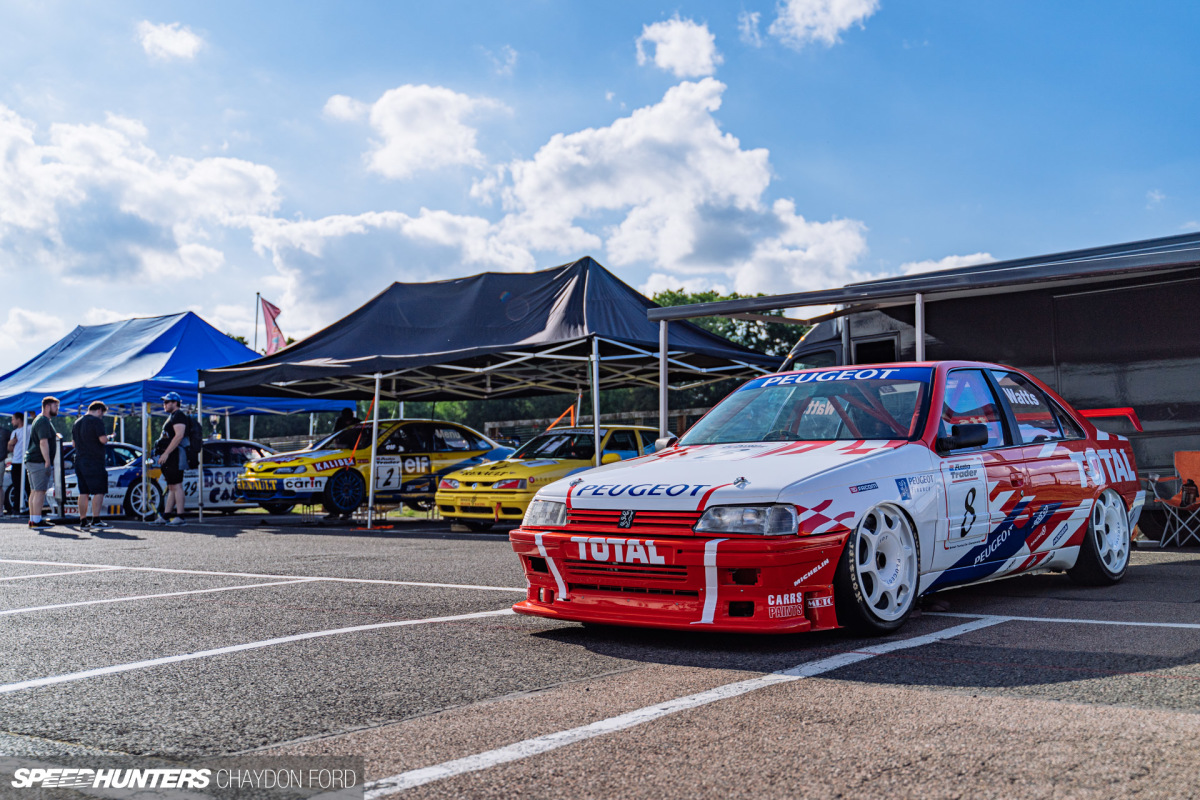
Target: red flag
[{"x": 275, "y": 340}]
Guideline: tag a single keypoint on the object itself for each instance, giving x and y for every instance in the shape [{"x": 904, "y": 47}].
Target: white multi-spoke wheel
[
  {"x": 1104, "y": 554},
  {"x": 876, "y": 583}
]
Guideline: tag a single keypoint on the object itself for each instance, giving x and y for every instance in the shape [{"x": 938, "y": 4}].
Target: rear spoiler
[{"x": 1098, "y": 413}]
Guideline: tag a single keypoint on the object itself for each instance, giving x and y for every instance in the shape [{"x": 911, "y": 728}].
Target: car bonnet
[{"x": 683, "y": 478}]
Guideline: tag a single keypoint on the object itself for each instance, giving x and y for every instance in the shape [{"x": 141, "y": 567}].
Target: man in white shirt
[{"x": 16, "y": 449}]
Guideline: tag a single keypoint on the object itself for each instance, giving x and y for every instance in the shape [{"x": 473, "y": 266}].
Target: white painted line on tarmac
[
  {"x": 1068, "y": 620},
  {"x": 29, "y": 609},
  {"x": 267, "y": 575},
  {"x": 542, "y": 744},
  {"x": 237, "y": 648},
  {"x": 55, "y": 574}
]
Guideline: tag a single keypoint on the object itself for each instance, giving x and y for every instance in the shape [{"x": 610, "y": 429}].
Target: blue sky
[{"x": 156, "y": 157}]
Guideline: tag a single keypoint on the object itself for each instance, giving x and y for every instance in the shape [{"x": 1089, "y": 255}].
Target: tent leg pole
[
  {"x": 226, "y": 425},
  {"x": 312, "y": 424},
  {"x": 662, "y": 378},
  {"x": 200, "y": 466},
  {"x": 145, "y": 460},
  {"x": 919, "y": 302},
  {"x": 60, "y": 482},
  {"x": 21, "y": 505},
  {"x": 251, "y": 434},
  {"x": 122, "y": 428},
  {"x": 596, "y": 395},
  {"x": 374, "y": 447}
]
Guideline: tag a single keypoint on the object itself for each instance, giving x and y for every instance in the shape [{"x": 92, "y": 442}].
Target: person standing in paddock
[
  {"x": 39, "y": 460},
  {"x": 16, "y": 449},
  {"x": 89, "y": 436},
  {"x": 172, "y": 457}
]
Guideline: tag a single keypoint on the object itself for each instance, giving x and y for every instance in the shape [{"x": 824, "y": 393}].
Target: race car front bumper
[
  {"x": 736, "y": 584},
  {"x": 483, "y": 505},
  {"x": 268, "y": 488}
]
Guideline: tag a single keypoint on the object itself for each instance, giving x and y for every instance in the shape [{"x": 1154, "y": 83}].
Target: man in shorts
[
  {"x": 39, "y": 460},
  {"x": 172, "y": 450},
  {"x": 91, "y": 472}
]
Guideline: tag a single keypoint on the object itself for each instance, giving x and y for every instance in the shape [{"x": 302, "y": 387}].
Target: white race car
[{"x": 836, "y": 497}]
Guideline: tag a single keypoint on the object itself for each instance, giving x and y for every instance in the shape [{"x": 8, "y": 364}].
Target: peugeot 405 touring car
[
  {"x": 411, "y": 455},
  {"x": 829, "y": 498},
  {"x": 500, "y": 491}
]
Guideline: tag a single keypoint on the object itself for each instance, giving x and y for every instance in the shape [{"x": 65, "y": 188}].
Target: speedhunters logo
[{"x": 330, "y": 778}]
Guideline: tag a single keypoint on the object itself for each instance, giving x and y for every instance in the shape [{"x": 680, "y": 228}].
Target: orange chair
[{"x": 1183, "y": 521}]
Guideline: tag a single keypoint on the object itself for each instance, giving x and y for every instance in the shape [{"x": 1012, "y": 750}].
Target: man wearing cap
[
  {"x": 90, "y": 437},
  {"x": 172, "y": 449},
  {"x": 39, "y": 460}
]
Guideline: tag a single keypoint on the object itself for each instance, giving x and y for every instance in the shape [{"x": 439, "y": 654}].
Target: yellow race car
[
  {"x": 500, "y": 491},
  {"x": 411, "y": 455}
]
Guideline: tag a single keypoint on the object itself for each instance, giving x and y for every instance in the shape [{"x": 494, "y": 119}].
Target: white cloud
[
  {"x": 94, "y": 202},
  {"x": 505, "y": 61},
  {"x": 801, "y": 22},
  {"x": 949, "y": 262},
  {"x": 1154, "y": 199},
  {"x": 681, "y": 47},
  {"x": 168, "y": 41},
  {"x": 419, "y": 128},
  {"x": 27, "y": 332},
  {"x": 748, "y": 28},
  {"x": 658, "y": 282}
]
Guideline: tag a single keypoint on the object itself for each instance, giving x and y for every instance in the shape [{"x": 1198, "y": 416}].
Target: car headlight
[
  {"x": 290, "y": 470},
  {"x": 545, "y": 512},
  {"x": 511, "y": 483},
  {"x": 777, "y": 520},
  {"x": 448, "y": 483}
]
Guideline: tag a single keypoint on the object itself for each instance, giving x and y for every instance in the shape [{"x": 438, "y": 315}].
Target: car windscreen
[
  {"x": 559, "y": 445},
  {"x": 853, "y": 404},
  {"x": 346, "y": 439}
]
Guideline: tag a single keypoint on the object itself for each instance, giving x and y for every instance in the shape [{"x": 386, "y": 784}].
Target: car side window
[
  {"x": 214, "y": 454},
  {"x": 404, "y": 439},
  {"x": 648, "y": 440},
  {"x": 1036, "y": 420},
  {"x": 240, "y": 454},
  {"x": 970, "y": 400},
  {"x": 623, "y": 443},
  {"x": 1070, "y": 427}
]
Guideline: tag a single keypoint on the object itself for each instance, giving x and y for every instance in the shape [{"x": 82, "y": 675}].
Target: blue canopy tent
[
  {"x": 135, "y": 361},
  {"x": 131, "y": 364}
]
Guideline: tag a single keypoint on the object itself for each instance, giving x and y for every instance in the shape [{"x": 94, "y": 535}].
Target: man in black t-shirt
[
  {"x": 90, "y": 470},
  {"x": 39, "y": 460},
  {"x": 172, "y": 458}
]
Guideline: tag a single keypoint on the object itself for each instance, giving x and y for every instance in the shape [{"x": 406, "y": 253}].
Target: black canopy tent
[{"x": 496, "y": 335}]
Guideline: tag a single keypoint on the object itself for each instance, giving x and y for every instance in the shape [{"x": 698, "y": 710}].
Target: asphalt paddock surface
[{"x": 249, "y": 635}]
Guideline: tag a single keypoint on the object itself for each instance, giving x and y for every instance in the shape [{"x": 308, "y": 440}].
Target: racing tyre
[
  {"x": 277, "y": 508},
  {"x": 135, "y": 507},
  {"x": 344, "y": 493},
  {"x": 476, "y": 525},
  {"x": 10, "y": 496},
  {"x": 875, "y": 587},
  {"x": 1104, "y": 554}
]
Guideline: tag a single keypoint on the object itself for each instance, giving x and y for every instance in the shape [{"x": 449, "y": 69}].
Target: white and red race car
[{"x": 834, "y": 498}]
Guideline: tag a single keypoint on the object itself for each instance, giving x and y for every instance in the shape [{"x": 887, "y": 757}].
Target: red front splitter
[{"x": 737, "y": 584}]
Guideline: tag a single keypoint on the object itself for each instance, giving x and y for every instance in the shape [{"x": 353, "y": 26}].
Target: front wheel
[
  {"x": 344, "y": 492},
  {"x": 875, "y": 587},
  {"x": 138, "y": 507},
  {"x": 1104, "y": 554}
]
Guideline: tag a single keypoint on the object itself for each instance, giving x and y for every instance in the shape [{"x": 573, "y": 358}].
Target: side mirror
[
  {"x": 664, "y": 442},
  {"x": 610, "y": 458},
  {"x": 974, "y": 434}
]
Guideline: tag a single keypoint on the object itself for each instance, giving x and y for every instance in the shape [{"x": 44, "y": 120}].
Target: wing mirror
[
  {"x": 974, "y": 434},
  {"x": 610, "y": 458},
  {"x": 664, "y": 442}
]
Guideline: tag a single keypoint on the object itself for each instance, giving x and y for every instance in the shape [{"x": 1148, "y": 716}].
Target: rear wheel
[
  {"x": 344, "y": 492},
  {"x": 1104, "y": 554},
  {"x": 875, "y": 587}
]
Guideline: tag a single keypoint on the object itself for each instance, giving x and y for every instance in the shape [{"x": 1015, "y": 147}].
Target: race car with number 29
[{"x": 836, "y": 497}]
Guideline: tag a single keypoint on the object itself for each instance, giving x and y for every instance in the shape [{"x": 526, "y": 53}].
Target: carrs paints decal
[{"x": 782, "y": 606}]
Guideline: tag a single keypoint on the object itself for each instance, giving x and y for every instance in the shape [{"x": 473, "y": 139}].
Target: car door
[
  {"x": 403, "y": 454},
  {"x": 214, "y": 459},
  {"x": 621, "y": 442},
  {"x": 1059, "y": 499},
  {"x": 982, "y": 486}
]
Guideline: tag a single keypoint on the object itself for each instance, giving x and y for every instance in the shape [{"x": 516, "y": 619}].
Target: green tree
[{"x": 774, "y": 339}]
